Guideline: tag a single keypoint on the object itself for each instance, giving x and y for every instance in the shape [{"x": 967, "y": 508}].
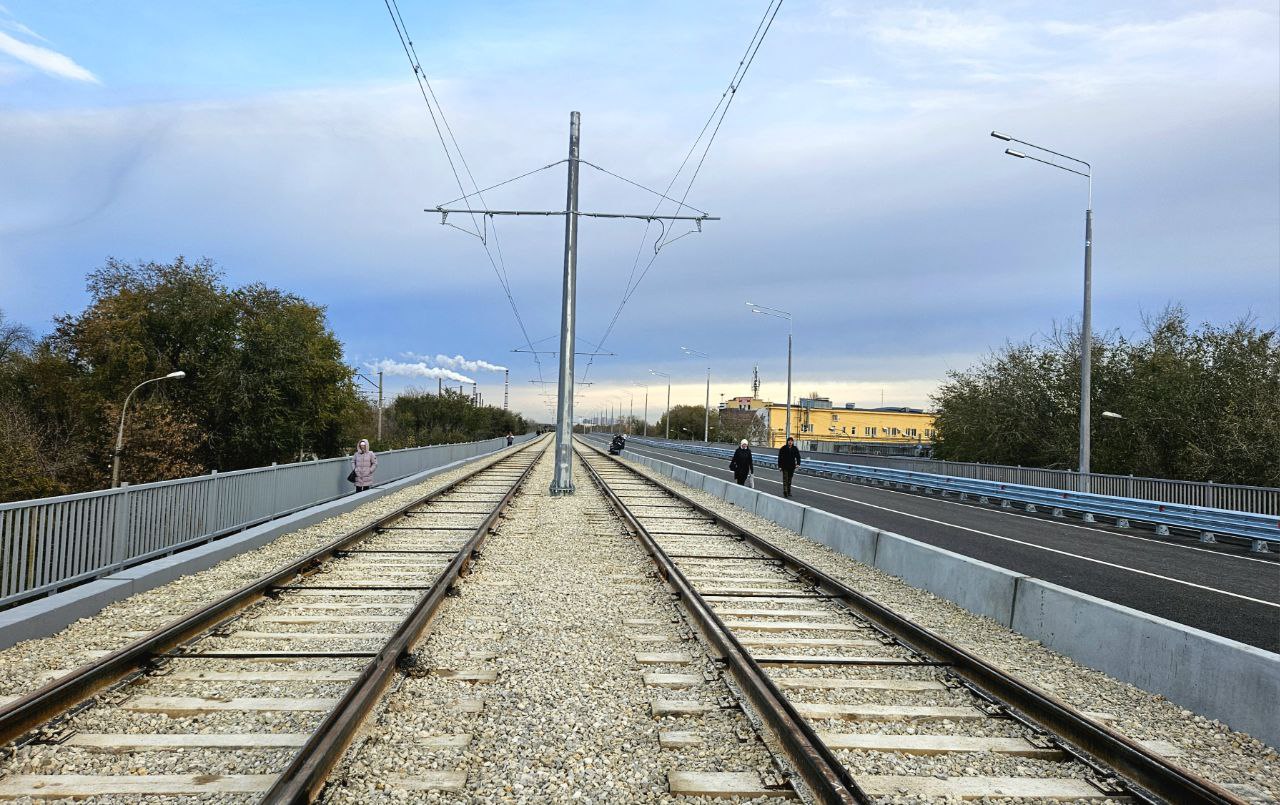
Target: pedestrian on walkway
[
  {"x": 788, "y": 460},
  {"x": 510, "y": 439},
  {"x": 363, "y": 465},
  {"x": 741, "y": 465}
]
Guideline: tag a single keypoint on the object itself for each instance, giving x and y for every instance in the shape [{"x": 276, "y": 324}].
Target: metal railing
[
  {"x": 1236, "y": 497},
  {"x": 1259, "y": 529},
  {"x": 51, "y": 543}
]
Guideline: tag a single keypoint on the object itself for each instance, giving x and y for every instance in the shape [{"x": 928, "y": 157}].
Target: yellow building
[{"x": 814, "y": 421}]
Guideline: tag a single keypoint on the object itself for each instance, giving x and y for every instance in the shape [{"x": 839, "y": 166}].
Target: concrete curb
[
  {"x": 47, "y": 616},
  {"x": 1233, "y": 682},
  {"x": 981, "y": 588},
  {"x": 1216, "y": 677}
]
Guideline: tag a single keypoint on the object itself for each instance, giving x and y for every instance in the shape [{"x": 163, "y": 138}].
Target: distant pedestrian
[
  {"x": 363, "y": 464},
  {"x": 788, "y": 460},
  {"x": 741, "y": 465},
  {"x": 510, "y": 440}
]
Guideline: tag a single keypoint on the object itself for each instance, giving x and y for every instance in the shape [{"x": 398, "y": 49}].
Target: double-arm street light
[
  {"x": 668, "y": 415},
  {"x": 780, "y": 314},
  {"x": 706, "y": 420},
  {"x": 1086, "y": 326},
  {"x": 115, "y": 460},
  {"x": 645, "y": 386}
]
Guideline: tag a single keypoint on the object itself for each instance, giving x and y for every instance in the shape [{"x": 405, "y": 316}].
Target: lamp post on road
[
  {"x": 115, "y": 460},
  {"x": 706, "y": 421},
  {"x": 780, "y": 314},
  {"x": 646, "y": 406},
  {"x": 668, "y": 414},
  {"x": 1086, "y": 325}
]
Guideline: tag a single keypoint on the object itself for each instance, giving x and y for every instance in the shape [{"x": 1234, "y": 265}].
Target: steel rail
[
  {"x": 1147, "y": 773},
  {"x": 822, "y": 773},
  {"x": 307, "y": 773},
  {"x": 44, "y": 704}
]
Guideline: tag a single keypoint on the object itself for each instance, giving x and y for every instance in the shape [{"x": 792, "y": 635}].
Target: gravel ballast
[{"x": 568, "y": 717}]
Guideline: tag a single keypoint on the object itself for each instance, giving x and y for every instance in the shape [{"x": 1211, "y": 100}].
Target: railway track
[
  {"x": 271, "y": 682},
  {"x": 841, "y": 683}
]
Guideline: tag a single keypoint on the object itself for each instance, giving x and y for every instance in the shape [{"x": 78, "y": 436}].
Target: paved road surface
[{"x": 1217, "y": 589}]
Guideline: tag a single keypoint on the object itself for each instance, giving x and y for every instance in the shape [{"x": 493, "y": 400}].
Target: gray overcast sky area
[{"x": 854, "y": 175}]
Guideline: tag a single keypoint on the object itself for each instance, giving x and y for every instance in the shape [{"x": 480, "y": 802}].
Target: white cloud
[{"x": 45, "y": 60}]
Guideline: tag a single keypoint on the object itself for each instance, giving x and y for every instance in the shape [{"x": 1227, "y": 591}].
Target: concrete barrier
[
  {"x": 46, "y": 616},
  {"x": 1219, "y": 678},
  {"x": 714, "y": 486},
  {"x": 979, "y": 587},
  {"x": 781, "y": 511},
  {"x": 741, "y": 496},
  {"x": 851, "y": 538}
]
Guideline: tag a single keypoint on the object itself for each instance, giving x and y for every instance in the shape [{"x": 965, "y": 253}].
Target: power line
[
  {"x": 721, "y": 109},
  {"x": 433, "y": 106}
]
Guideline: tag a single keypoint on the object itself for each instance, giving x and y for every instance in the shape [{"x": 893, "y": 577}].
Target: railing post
[
  {"x": 211, "y": 504},
  {"x": 275, "y": 490},
  {"x": 121, "y": 525}
]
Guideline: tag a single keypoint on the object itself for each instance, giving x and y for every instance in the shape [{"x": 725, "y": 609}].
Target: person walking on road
[
  {"x": 363, "y": 465},
  {"x": 741, "y": 464},
  {"x": 510, "y": 439},
  {"x": 788, "y": 460}
]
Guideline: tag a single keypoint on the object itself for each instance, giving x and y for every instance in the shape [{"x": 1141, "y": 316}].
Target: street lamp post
[
  {"x": 646, "y": 406},
  {"x": 780, "y": 314},
  {"x": 1086, "y": 325},
  {"x": 706, "y": 420},
  {"x": 115, "y": 460},
  {"x": 668, "y": 414}
]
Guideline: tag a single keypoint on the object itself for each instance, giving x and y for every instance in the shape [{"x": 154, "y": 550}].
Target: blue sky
[{"x": 854, "y": 175}]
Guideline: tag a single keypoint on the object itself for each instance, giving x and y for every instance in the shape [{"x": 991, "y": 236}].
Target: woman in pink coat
[{"x": 363, "y": 464}]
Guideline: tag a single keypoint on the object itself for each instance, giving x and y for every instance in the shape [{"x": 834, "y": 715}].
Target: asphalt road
[{"x": 1218, "y": 589}]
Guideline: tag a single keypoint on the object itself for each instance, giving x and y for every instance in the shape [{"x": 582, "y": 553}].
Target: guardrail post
[
  {"x": 211, "y": 504},
  {"x": 275, "y": 490},
  {"x": 120, "y": 526}
]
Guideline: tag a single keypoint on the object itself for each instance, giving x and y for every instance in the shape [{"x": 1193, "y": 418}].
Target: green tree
[
  {"x": 687, "y": 422},
  {"x": 417, "y": 417},
  {"x": 265, "y": 376},
  {"x": 1198, "y": 404}
]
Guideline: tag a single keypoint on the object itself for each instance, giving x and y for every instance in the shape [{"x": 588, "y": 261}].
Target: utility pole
[
  {"x": 379, "y": 406},
  {"x": 563, "y": 481},
  {"x": 506, "y": 387}
]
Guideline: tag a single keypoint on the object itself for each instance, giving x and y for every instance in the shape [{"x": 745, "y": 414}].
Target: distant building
[
  {"x": 744, "y": 404},
  {"x": 816, "y": 425}
]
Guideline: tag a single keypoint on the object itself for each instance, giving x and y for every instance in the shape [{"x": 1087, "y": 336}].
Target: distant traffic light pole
[
  {"x": 115, "y": 461},
  {"x": 1086, "y": 325},
  {"x": 668, "y": 414},
  {"x": 780, "y": 314},
  {"x": 706, "y": 420}
]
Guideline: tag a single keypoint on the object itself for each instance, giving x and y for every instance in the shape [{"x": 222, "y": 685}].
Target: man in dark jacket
[
  {"x": 742, "y": 466},
  {"x": 788, "y": 460}
]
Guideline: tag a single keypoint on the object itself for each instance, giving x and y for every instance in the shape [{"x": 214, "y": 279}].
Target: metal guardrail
[
  {"x": 1234, "y": 497},
  {"x": 51, "y": 543},
  {"x": 1259, "y": 529}
]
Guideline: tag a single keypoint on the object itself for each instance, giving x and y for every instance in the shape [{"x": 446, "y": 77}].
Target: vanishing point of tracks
[
  {"x": 332, "y": 626},
  {"x": 828, "y": 670}
]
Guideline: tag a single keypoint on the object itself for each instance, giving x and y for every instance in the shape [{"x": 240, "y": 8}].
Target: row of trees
[
  {"x": 1199, "y": 404},
  {"x": 265, "y": 381}
]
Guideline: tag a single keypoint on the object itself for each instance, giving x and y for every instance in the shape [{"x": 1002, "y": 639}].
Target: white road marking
[{"x": 1032, "y": 545}]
